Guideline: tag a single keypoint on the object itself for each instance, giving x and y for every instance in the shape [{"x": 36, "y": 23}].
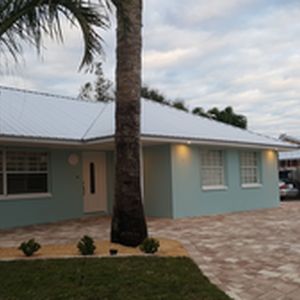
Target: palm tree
[
  {"x": 128, "y": 222},
  {"x": 30, "y": 20}
]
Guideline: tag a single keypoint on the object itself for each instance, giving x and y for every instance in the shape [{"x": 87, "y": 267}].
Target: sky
[{"x": 239, "y": 53}]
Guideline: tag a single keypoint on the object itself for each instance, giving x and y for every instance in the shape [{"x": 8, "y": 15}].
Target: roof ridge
[
  {"x": 93, "y": 122},
  {"x": 47, "y": 94}
]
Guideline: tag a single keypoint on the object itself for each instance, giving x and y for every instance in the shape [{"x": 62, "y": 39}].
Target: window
[
  {"x": 249, "y": 168},
  {"x": 212, "y": 162},
  {"x": 92, "y": 179},
  {"x": 23, "y": 172}
]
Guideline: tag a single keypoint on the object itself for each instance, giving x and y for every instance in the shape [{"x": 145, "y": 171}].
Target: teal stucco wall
[
  {"x": 172, "y": 187},
  {"x": 65, "y": 201},
  {"x": 157, "y": 181},
  {"x": 189, "y": 199}
]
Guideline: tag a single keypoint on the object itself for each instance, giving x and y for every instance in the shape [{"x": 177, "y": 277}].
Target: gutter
[
  {"x": 236, "y": 144},
  {"x": 145, "y": 138}
]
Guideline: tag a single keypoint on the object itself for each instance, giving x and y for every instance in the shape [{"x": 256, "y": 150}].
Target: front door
[{"x": 94, "y": 182}]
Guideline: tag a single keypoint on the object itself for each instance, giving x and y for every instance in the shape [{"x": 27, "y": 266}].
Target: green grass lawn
[{"x": 134, "y": 278}]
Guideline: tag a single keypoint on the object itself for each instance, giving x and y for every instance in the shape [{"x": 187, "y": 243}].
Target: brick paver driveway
[{"x": 250, "y": 255}]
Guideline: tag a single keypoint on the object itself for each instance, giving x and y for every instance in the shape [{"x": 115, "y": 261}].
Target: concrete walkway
[{"x": 250, "y": 255}]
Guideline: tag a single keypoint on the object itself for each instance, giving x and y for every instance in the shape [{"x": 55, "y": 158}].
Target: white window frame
[
  {"x": 255, "y": 169},
  {"x": 5, "y": 195},
  {"x": 206, "y": 167}
]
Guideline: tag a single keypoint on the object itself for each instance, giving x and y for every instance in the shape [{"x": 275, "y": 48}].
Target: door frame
[{"x": 101, "y": 184}]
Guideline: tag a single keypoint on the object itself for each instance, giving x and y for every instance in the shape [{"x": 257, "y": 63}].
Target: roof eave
[
  {"x": 210, "y": 142},
  {"x": 39, "y": 140},
  {"x": 144, "y": 138}
]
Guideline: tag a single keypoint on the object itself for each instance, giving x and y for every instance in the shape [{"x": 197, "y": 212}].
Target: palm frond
[{"x": 30, "y": 21}]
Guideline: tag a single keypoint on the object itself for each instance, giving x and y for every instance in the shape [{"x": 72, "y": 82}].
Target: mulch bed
[{"x": 167, "y": 248}]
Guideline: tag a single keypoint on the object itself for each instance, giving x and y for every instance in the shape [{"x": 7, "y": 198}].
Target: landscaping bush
[
  {"x": 30, "y": 247},
  {"x": 150, "y": 245},
  {"x": 86, "y": 246},
  {"x": 113, "y": 251}
]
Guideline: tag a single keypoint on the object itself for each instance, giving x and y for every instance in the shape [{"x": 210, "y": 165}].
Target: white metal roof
[
  {"x": 291, "y": 155},
  {"x": 27, "y": 114},
  {"x": 288, "y": 138}
]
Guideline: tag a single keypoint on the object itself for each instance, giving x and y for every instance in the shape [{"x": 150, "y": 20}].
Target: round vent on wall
[{"x": 73, "y": 159}]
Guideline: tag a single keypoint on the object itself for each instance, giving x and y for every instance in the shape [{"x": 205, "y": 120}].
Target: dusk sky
[{"x": 243, "y": 53}]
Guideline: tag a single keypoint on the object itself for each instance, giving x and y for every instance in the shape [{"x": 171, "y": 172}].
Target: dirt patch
[{"x": 167, "y": 248}]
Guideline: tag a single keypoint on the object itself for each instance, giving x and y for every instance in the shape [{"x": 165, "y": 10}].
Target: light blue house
[{"x": 57, "y": 161}]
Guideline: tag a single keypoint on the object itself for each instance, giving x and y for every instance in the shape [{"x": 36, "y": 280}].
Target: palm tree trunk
[{"x": 128, "y": 222}]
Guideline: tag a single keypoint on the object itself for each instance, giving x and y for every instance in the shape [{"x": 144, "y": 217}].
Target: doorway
[{"x": 94, "y": 182}]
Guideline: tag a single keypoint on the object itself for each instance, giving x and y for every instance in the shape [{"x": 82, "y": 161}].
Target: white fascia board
[
  {"x": 189, "y": 141},
  {"x": 144, "y": 138},
  {"x": 39, "y": 140},
  {"x": 95, "y": 141},
  {"x": 53, "y": 141}
]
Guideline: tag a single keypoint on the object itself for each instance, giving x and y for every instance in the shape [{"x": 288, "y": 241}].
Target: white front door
[{"x": 94, "y": 182}]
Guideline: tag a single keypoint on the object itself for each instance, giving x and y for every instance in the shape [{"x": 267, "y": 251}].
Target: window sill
[
  {"x": 214, "y": 188},
  {"x": 251, "y": 185},
  {"x": 26, "y": 196}
]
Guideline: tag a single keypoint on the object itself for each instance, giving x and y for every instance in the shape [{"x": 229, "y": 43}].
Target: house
[
  {"x": 289, "y": 167},
  {"x": 290, "y": 139},
  {"x": 57, "y": 161}
]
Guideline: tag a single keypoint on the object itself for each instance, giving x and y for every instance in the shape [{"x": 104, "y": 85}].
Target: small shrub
[
  {"x": 150, "y": 245},
  {"x": 30, "y": 247},
  {"x": 113, "y": 251},
  {"x": 86, "y": 246}
]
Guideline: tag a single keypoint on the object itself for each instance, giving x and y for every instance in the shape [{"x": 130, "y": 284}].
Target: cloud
[{"x": 253, "y": 67}]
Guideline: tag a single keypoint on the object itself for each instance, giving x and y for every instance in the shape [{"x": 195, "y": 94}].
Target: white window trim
[
  {"x": 257, "y": 167},
  {"x": 214, "y": 188},
  {"x": 6, "y": 196},
  {"x": 251, "y": 185},
  {"x": 25, "y": 196}
]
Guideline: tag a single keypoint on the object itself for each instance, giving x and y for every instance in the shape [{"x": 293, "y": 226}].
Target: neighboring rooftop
[
  {"x": 291, "y": 139},
  {"x": 33, "y": 115},
  {"x": 290, "y": 155}
]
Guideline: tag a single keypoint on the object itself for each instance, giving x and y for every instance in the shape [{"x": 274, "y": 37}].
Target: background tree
[
  {"x": 103, "y": 86},
  {"x": 86, "y": 92},
  {"x": 157, "y": 96},
  {"x": 100, "y": 90},
  {"x": 179, "y": 104},
  {"x": 227, "y": 116},
  {"x": 153, "y": 94},
  {"x": 128, "y": 221},
  {"x": 199, "y": 111}
]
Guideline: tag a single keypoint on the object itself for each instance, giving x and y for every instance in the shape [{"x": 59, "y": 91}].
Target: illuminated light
[
  {"x": 188, "y": 142},
  {"x": 271, "y": 155},
  {"x": 183, "y": 151}
]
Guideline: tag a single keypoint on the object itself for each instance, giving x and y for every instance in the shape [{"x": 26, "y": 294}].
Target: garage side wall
[{"x": 189, "y": 199}]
